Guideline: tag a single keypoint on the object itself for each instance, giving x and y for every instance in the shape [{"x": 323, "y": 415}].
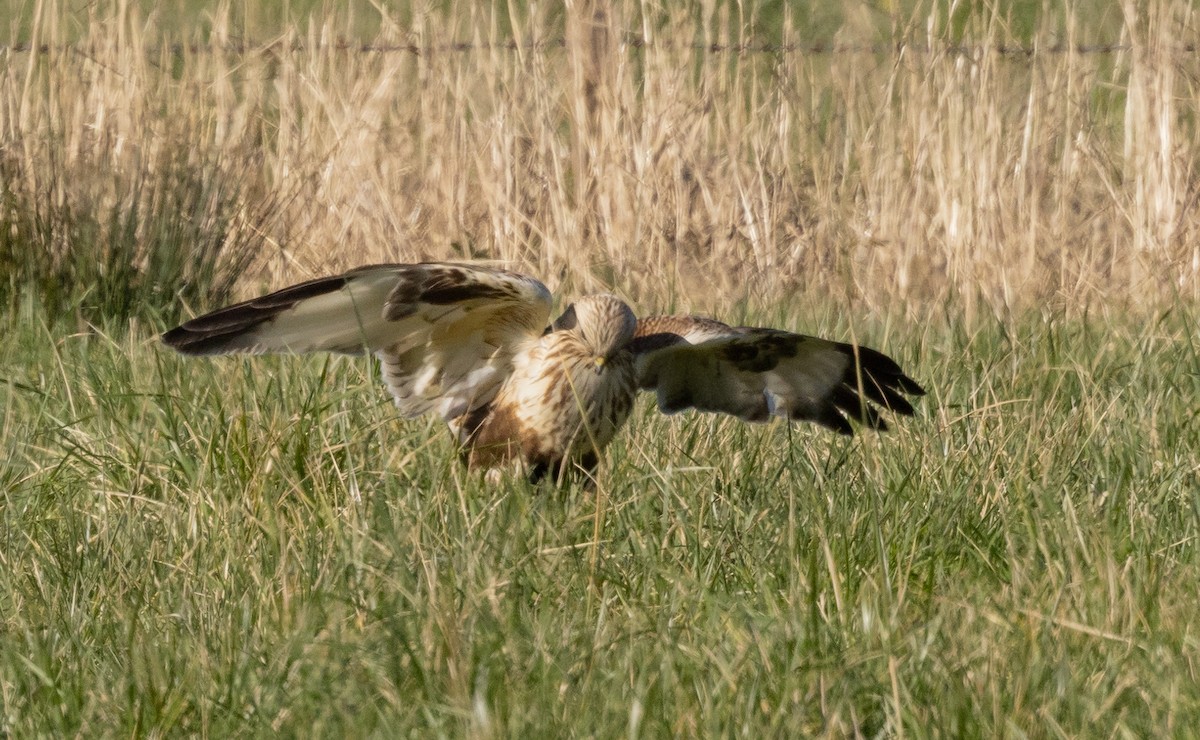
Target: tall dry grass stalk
[{"x": 644, "y": 155}]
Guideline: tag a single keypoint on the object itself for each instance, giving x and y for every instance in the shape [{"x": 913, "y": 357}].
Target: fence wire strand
[{"x": 814, "y": 49}]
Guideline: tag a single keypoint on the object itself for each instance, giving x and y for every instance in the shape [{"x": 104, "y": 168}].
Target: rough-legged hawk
[{"x": 471, "y": 344}]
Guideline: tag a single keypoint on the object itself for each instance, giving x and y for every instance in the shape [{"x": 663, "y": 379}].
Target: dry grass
[{"x": 680, "y": 175}]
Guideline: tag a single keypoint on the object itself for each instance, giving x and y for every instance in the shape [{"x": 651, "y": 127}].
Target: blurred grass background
[{"x": 694, "y": 157}]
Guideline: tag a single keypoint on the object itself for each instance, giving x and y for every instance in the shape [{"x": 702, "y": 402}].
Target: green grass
[
  {"x": 257, "y": 547},
  {"x": 151, "y": 241}
]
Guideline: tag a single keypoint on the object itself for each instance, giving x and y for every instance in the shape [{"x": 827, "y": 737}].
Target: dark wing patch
[
  {"x": 442, "y": 284},
  {"x": 759, "y": 350}
]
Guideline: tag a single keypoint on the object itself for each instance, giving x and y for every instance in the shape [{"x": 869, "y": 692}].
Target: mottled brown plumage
[{"x": 471, "y": 344}]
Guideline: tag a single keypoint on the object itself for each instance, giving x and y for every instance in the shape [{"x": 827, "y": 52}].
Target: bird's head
[{"x": 604, "y": 323}]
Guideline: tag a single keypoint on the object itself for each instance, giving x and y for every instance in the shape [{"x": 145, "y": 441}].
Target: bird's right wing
[
  {"x": 756, "y": 373},
  {"x": 444, "y": 332}
]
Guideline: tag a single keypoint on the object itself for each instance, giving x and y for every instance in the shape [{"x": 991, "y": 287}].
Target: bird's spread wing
[
  {"x": 757, "y": 373},
  {"x": 445, "y": 332}
]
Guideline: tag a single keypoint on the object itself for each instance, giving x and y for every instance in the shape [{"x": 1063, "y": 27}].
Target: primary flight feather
[{"x": 471, "y": 344}]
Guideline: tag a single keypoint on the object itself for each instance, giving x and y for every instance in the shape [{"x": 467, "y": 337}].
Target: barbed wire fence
[{"x": 811, "y": 48}]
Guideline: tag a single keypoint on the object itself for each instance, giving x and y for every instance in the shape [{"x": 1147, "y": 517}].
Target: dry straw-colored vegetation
[{"x": 617, "y": 144}]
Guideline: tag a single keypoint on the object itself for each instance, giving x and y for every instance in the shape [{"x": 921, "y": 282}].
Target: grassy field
[
  {"x": 261, "y": 547},
  {"x": 235, "y": 547}
]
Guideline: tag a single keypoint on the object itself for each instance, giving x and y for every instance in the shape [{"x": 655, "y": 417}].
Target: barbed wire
[{"x": 814, "y": 49}]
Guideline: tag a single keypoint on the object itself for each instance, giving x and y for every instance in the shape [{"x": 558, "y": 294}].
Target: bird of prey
[{"x": 471, "y": 343}]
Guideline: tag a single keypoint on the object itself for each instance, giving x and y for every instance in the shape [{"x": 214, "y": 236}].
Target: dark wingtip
[
  {"x": 182, "y": 340},
  {"x": 187, "y": 341},
  {"x": 217, "y": 332},
  {"x": 878, "y": 379},
  {"x": 896, "y": 403},
  {"x": 844, "y": 428},
  {"x": 831, "y": 419},
  {"x": 174, "y": 337}
]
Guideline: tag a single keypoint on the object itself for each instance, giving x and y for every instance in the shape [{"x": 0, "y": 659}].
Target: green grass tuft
[{"x": 127, "y": 247}]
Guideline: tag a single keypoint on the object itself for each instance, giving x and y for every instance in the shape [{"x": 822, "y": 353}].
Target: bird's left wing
[
  {"x": 755, "y": 373},
  {"x": 445, "y": 332}
]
